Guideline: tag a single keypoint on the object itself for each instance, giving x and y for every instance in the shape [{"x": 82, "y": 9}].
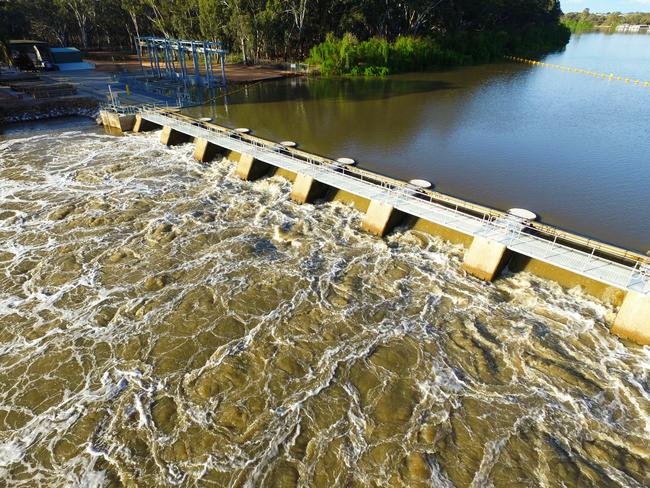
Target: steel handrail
[{"x": 399, "y": 189}]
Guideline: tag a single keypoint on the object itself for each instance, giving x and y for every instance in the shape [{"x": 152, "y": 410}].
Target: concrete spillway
[{"x": 493, "y": 239}]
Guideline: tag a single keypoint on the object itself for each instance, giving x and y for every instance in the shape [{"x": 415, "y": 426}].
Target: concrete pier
[
  {"x": 306, "y": 189},
  {"x": 173, "y": 137},
  {"x": 120, "y": 123},
  {"x": 205, "y": 151},
  {"x": 249, "y": 168},
  {"x": 491, "y": 237},
  {"x": 485, "y": 258},
  {"x": 143, "y": 125},
  {"x": 380, "y": 218},
  {"x": 633, "y": 318}
]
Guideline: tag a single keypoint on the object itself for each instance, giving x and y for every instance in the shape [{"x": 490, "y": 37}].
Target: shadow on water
[
  {"x": 348, "y": 89},
  {"x": 356, "y": 117},
  {"x": 284, "y": 90},
  {"x": 505, "y": 135}
]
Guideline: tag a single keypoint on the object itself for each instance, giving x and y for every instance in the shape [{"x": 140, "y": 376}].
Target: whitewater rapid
[{"x": 164, "y": 323}]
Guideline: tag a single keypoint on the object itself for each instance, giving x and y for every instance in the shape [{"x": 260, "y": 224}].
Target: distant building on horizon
[{"x": 633, "y": 28}]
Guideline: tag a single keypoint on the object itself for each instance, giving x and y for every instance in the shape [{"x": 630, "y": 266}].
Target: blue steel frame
[{"x": 176, "y": 52}]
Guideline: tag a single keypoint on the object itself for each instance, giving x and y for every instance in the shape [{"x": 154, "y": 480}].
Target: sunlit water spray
[{"x": 164, "y": 323}]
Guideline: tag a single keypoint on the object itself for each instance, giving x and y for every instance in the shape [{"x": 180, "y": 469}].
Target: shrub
[
  {"x": 376, "y": 71},
  {"x": 379, "y": 57}
]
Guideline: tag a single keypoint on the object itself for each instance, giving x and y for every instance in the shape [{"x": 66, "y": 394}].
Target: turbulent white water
[{"x": 164, "y": 323}]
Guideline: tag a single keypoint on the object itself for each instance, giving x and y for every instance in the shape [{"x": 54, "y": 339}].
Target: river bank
[
  {"x": 26, "y": 96},
  {"x": 91, "y": 88},
  {"x": 32, "y": 110},
  {"x": 237, "y": 73},
  {"x": 379, "y": 56}
]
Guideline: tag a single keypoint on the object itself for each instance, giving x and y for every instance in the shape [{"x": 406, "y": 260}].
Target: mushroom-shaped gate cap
[{"x": 523, "y": 214}]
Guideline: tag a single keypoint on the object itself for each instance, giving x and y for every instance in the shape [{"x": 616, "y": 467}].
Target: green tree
[
  {"x": 290, "y": 28},
  {"x": 213, "y": 18}
]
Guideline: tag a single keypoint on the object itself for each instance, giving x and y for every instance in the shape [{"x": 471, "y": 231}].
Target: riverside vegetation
[
  {"x": 586, "y": 21},
  {"x": 368, "y": 37},
  {"x": 379, "y": 57}
]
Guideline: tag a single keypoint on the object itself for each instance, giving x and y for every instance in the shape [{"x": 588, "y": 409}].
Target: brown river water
[
  {"x": 163, "y": 323},
  {"x": 572, "y": 148}
]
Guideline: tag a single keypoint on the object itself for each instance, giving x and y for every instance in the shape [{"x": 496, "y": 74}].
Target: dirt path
[{"x": 236, "y": 73}]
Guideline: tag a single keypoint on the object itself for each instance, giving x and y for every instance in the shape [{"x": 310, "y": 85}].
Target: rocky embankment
[
  {"x": 28, "y": 110},
  {"x": 27, "y": 96}
]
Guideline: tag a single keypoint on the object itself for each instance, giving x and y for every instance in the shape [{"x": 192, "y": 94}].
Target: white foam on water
[
  {"x": 10, "y": 452},
  {"x": 96, "y": 218}
]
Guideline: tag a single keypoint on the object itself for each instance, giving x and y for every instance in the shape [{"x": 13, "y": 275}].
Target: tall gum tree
[
  {"x": 84, "y": 14},
  {"x": 135, "y": 9},
  {"x": 298, "y": 11}
]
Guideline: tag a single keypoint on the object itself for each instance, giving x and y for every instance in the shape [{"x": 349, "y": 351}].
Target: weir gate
[{"x": 493, "y": 238}]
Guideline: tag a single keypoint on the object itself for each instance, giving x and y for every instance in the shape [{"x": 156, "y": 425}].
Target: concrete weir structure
[
  {"x": 118, "y": 122},
  {"x": 493, "y": 239}
]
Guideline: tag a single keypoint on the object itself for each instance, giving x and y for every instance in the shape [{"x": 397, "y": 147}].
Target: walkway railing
[
  {"x": 134, "y": 109},
  {"x": 584, "y": 256}
]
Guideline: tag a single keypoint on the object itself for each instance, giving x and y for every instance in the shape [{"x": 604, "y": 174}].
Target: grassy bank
[
  {"x": 576, "y": 26},
  {"x": 379, "y": 57}
]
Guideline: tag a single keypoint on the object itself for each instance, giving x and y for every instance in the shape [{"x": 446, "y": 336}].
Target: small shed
[
  {"x": 29, "y": 54},
  {"x": 69, "y": 59}
]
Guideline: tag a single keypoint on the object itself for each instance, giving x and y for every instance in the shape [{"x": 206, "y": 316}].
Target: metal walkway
[{"x": 514, "y": 234}]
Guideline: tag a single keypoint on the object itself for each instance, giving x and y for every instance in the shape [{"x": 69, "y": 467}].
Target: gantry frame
[{"x": 181, "y": 60}]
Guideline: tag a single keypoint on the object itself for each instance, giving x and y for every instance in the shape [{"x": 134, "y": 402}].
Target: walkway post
[
  {"x": 181, "y": 56},
  {"x": 209, "y": 67},
  {"x": 158, "y": 65},
  {"x": 164, "y": 60},
  {"x": 155, "y": 67},
  {"x": 170, "y": 61}
]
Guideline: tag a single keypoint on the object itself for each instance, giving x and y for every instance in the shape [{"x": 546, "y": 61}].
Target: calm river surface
[
  {"x": 163, "y": 323},
  {"x": 573, "y": 148}
]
